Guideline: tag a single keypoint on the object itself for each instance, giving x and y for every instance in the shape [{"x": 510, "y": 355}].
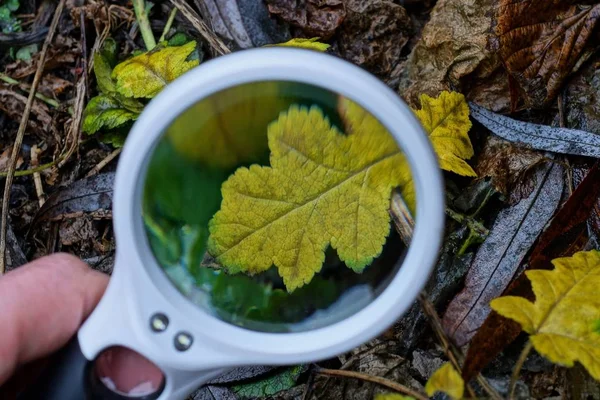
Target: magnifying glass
[{"x": 252, "y": 220}]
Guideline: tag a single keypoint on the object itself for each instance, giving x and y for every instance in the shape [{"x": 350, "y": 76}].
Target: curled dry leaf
[
  {"x": 245, "y": 22},
  {"x": 374, "y": 34},
  {"x": 453, "y": 44},
  {"x": 500, "y": 255},
  {"x": 563, "y": 320},
  {"x": 540, "y": 42},
  {"x": 314, "y": 17},
  {"x": 507, "y": 165}
]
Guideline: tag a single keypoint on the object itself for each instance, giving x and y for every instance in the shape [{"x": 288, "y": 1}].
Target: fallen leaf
[
  {"x": 507, "y": 165},
  {"x": 446, "y": 380},
  {"x": 540, "y": 137},
  {"x": 88, "y": 195},
  {"x": 446, "y": 121},
  {"x": 247, "y": 23},
  {"x": 276, "y": 381},
  {"x": 214, "y": 392},
  {"x": 147, "y": 74},
  {"x": 453, "y": 44},
  {"x": 314, "y": 17},
  {"x": 14, "y": 253},
  {"x": 540, "y": 42},
  {"x": 105, "y": 112},
  {"x": 310, "y": 44},
  {"x": 392, "y": 396},
  {"x": 361, "y": 167},
  {"x": 582, "y": 98},
  {"x": 560, "y": 321},
  {"x": 373, "y": 35},
  {"x": 566, "y": 234},
  {"x": 500, "y": 255},
  {"x": 53, "y": 86},
  {"x": 75, "y": 231}
]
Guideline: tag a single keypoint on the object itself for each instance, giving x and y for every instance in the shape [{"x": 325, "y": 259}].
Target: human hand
[{"x": 42, "y": 306}]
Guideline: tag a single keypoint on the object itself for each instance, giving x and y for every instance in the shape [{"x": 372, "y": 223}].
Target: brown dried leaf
[
  {"x": 507, "y": 165},
  {"x": 13, "y": 104},
  {"x": 453, "y": 44},
  {"x": 52, "y": 86},
  {"x": 374, "y": 34},
  {"x": 74, "y": 231},
  {"x": 541, "y": 41},
  {"x": 314, "y": 17}
]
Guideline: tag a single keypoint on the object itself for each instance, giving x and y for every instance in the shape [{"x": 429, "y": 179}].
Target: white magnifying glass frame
[{"x": 139, "y": 288}]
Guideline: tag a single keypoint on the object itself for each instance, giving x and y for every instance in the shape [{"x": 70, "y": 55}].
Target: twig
[
  {"x": 103, "y": 163},
  {"x": 213, "y": 40},
  {"x": 74, "y": 128},
  {"x": 517, "y": 369},
  {"x": 39, "y": 96},
  {"x": 373, "y": 379},
  {"x": 21, "y": 132},
  {"x": 84, "y": 56},
  {"x": 37, "y": 179},
  {"x": 454, "y": 354},
  {"x": 169, "y": 24},
  {"x": 139, "y": 6}
]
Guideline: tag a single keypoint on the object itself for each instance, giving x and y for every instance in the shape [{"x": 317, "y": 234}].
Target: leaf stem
[
  {"x": 373, "y": 379},
  {"x": 33, "y": 170},
  {"x": 169, "y": 24},
  {"x": 517, "y": 369},
  {"x": 39, "y": 96},
  {"x": 139, "y": 6}
]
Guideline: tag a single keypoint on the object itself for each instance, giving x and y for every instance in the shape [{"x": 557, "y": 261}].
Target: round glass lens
[{"x": 278, "y": 206}]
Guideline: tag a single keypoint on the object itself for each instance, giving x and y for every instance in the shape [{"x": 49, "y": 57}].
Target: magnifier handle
[{"x": 65, "y": 378}]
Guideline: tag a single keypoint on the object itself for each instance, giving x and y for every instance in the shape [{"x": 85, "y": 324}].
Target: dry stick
[
  {"x": 213, "y": 40},
  {"x": 373, "y": 379},
  {"x": 21, "y": 132},
  {"x": 517, "y": 369},
  {"x": 37, "y": 179},
  {"x": 76, "y": 123},
  {"x": 103, "y": 163}
]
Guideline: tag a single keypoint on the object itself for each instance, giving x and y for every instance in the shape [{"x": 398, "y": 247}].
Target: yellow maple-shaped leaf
[
  {"x": 310, "y": 44},
  {"x": 562, "y": 323},
  {"x": 323, "y": 188},
  {"x": 446, "y": 380},
  {"x": 147, "y": 74},
  {"x": 446, "y": 121},
  {"x": 392, "y": 396}
]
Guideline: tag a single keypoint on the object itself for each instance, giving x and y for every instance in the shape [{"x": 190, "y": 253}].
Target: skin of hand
[{"x": 42, "y": 305}]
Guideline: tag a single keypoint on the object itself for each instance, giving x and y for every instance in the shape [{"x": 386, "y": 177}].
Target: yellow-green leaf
[
  {"x": 105, "y": 112},
  {"x": 446, "y": 121},
  {"x": 322, "y": 188},
  {"x": 102, "y": 70},
  {"x": 392, "y": 396},
  {"x": 563, "y": 321},
  {"x": 310, "y": 44},
  {"x": 446, "y": 380},
  {"x": 147, "y": 74}
]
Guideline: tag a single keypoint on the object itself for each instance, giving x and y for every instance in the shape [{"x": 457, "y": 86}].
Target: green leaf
[
  {"x": 344, "y": 204},
  {"x": 103, "y": 71},
  {"x": 8, "y": 22},
  {"x": 25, "y": 53},
  {"x": 105, "y": 112},
  {"x": 283, "y": 379},
  {"x": 147, "y": 74},
  {"x": 393, "y": 396},
  {"x": 109, "y": 51},
  {"x": 116, "y": 138},
  {"x": 178, "y": 39}
]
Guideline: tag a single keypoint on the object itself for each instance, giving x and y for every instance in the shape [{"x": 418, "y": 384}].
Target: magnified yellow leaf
[
  {"x": 392, "y": 396},
  {"x": 563, "y": 321},
  {"x": 147, "y": 74},
  {"x": 446, "y": 380},
  {"x": 446, "y": 121},
  {"x": 310, "y": 44},
  {"x": 323, "y": 188}
]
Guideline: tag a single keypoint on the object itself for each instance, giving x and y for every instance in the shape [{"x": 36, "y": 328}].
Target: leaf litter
[{"x": 467, "y": 47}]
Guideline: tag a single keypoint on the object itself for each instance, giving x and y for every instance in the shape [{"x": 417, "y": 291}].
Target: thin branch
[
  {"x": 21, "y": 133},
  {"x": 74, "y": 128},
  {"x": 373, "y": 379},
  {"x": 213, "y": 40},
  {"x": 139, "y": 6},
  {"x": 169, "y": 24},
  {"x": 517, "y": 369},
  {"x": 37, "y": 179},
  {"x": 103, "y": 163}
]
